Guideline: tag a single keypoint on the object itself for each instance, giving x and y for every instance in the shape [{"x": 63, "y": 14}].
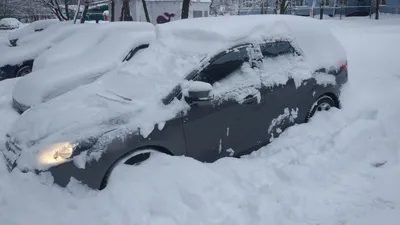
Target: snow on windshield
[{"x": 37, "y": 25}]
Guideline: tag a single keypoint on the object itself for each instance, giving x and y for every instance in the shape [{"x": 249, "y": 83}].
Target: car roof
[{"x": 309, "y": 36}]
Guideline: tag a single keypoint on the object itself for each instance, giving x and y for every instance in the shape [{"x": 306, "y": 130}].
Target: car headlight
[{"x": 56, "y": 153}]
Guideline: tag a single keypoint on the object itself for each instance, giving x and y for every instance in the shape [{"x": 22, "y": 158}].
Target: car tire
[
  {"x": 323, "y": 103},
  {"x": 133, "y": 159},
  {"x": 24, "y": 70}
]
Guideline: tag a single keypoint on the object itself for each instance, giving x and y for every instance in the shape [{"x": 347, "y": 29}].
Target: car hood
[{"x": 45, "y": 84}]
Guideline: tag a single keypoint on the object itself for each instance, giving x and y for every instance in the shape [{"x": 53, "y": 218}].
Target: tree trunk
[
  {"x": 85, "y": 10},
  {"x": 146, "y": 12},
  {"x": 125, "y": 11},
  {"x": 66, "y": 8},
  {"x": 377, "y": 10},
  {"x": 185, "y": 9},
  {"x": 283, "y": 7},
  {"x": 112, "y": 11},
  {"x": 321, "y": 9}
]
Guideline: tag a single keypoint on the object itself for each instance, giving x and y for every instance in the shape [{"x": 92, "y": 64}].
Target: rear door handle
[{"x": 250, "y": 99}]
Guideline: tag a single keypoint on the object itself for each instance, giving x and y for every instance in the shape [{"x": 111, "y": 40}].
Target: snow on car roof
[
  {"x": 84, "y": 40},
  {"x": 32, "y": 49},
  {"x": 56, "y": 79},
  {"x": 310, "y": 36}
]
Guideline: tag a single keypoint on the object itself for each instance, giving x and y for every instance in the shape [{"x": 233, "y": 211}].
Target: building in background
[{"x": 162, "y": 11}]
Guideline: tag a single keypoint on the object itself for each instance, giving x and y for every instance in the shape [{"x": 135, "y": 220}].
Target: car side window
[
  {"x": 224, "y": 64},
  {"x": 274, "y": 49},
  {"x": 232, "y": 75},
  {"x": 134, "y": 51}
]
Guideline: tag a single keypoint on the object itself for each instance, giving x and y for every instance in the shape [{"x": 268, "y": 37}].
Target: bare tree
[
  {"x": 185, "y": 9},
  {"x": 146, "y": 12},
  {"x": 377, "y": 10},
  {"x": 55, "y": 8},
  {"x": 126, "y": 11},
  {"x": 85, "y": 10}
]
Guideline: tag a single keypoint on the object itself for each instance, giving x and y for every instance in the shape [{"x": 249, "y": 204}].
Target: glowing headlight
[{"x": 56, "y": 154}]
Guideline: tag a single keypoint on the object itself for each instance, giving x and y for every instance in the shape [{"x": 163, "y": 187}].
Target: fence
[{"x": 338, "y": 11}]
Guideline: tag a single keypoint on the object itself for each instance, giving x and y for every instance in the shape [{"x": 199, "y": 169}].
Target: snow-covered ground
[{"x": 341, "y": 168}]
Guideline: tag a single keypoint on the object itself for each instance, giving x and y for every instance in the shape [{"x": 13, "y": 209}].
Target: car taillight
[{"x": 343, "y": 67}]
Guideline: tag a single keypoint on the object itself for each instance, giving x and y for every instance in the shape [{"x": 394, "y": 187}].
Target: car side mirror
[{"x": 199, "y": 91}]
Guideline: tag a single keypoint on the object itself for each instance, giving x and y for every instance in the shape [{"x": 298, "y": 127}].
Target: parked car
[
  {"x": 18, "y": 61},
  {"x": 10, "y": 24},
  {"x": 206, "y": 88},
  {"x": 29, "y": 29},
  {"x": 114, "y": 49}
]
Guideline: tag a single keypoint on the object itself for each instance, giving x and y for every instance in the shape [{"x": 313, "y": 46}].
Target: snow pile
[
  {"x": 7, "y": 113},
  {"x": 10, "y": 23},
  {"x": 31, "y": 28},
  {"x": 218, "y": 33},
  {"x": 44, "y": 84},
  {"x": 340, "y": 168},
  {"x": 43, "y": 41},
  {"x": 85, "y": 40}
]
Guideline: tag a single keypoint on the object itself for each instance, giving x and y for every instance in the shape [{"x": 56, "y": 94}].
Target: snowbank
[
  {"x": 221, "y": 32},
  {"x": 44, "y": 84},
  {"x": 31, "y": 28},
  {"x": 10, "y": 23},
  {"x": 315, "y": 173},
  {"x": 84, "y": 40},
  {"x": 43, "y": 41}
]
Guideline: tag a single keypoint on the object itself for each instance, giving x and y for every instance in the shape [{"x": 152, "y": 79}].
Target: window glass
[
  {"x": 273, "y": 49},
  {"x": 224, "y": 64},
  {"x": 197, "y": 13}
]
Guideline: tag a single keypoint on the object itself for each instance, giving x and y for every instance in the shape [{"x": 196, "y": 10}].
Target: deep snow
[{"x": 316, "y": 173}]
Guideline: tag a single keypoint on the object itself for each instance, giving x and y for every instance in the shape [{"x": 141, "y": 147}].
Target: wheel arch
[
  {"x": 334, "y": 97},
  {"x": 157, "y": 148}
]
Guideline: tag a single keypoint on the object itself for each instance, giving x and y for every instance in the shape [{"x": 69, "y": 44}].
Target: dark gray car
[{"x": 217, "y": 124}]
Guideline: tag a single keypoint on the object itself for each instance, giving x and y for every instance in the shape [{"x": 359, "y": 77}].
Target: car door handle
[{"x": 250, "y": 99}]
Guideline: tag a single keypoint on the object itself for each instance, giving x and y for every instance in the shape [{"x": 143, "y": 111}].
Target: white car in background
[
  {"x": 54, "y": 80},
  {"x": 33, "y": 27},
  {"x": 17, "y": 61},
  {"x": 10, "y": 24}
]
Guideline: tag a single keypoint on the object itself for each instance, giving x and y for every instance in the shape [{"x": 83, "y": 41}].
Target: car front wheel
[
  {"x": 323, "y": 103},
  {"x": 24, "y": 70}
]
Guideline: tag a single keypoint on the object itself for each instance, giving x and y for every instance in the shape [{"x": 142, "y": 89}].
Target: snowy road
[{"x": 316, "y": 173}]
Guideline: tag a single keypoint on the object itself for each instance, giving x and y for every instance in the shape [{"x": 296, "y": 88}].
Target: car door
[
  {"x": 282, "y": 95},
  {"x": 227, "y": 124}
]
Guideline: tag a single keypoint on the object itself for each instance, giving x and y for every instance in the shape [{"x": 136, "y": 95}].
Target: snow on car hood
[
  {"x": 32, "y": 49},
  {"x": 85, "y": 40},
  {"x": 128, "y": 98},
  {"x": 45, "y": 84}
]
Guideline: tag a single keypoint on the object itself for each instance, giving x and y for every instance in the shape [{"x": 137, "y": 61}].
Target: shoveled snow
[
  {"x": 43, "y": 41},
  {"x": 44, "y": 84},
  {"x": 85, "y": 40},
  {"x": 31, "y": 28},
  {"x": 330, "y": 171}
]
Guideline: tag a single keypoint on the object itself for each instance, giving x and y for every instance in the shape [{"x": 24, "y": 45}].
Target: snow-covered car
[
  {"x": 10, "y": 24},
  {"x": 18, "y": 61},
  {"x": 33, "y": 27},
  {"x": 113, "y": 50},
  {"x": 206, "y": 88}
]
